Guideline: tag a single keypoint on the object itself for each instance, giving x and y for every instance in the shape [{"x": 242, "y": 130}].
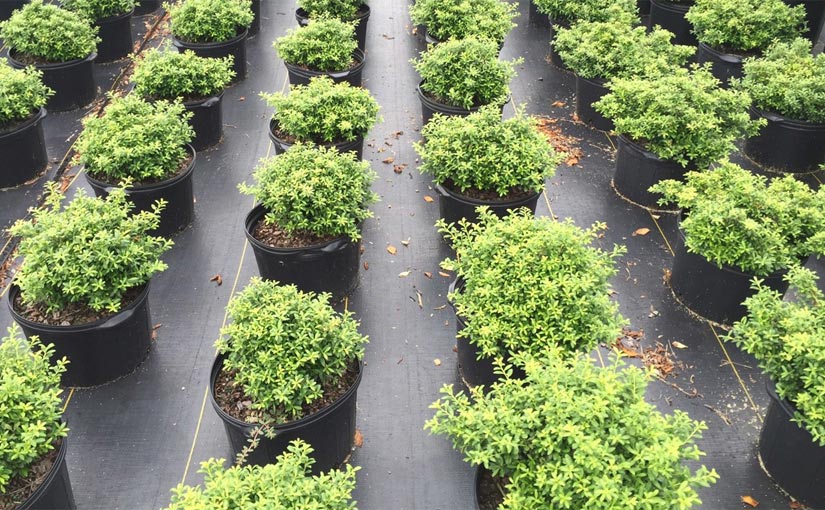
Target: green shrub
[
  {"x": 99, "y": 9},
  {"x": 743, "y": 220},
  {"x": 573, "y": 436},
  {"x": 324, "y": 112},
  {"x": 322, "y": 45},
  {"x": 22, "y": 93},
  {"x": 340, "y": 9},
  {"x": 787, "y": 338},
  {"x": 459, "y": 19},
  {"x": 30, "y": 406},
  {"x": 465, "y": 73},
  {"x": 135, "y": 140},
  {"x": 483, "y": 152},
  {"x": 788, "y": 80},
  {"x": 315, "y": 190},
  {"x": 285, "y": 345},
  {"x": 286, "y": 484},
  {"x": 589, "y": 10},
  {"x": 167, "y": 74},
  {"x": 744, "y": 26},
  {"x": 201, "y": 21},
  {"x": 615, "y": 49},
  {"x": 44, "y": 32},
  {"x": 683, "y": 116},
  {"x": 532, "y": 284},
  {"x": 91, "y": 252}
]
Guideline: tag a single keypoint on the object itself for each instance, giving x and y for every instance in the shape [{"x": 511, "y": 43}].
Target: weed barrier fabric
[{"x": 131, "y": 441}]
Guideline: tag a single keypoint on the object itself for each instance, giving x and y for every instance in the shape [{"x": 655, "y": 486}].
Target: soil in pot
[
  {"x": 328, "y": 425},
  {"x": 207, "y": 121},
  {"x": 453, "y": 206},
  {"x": 787, "y": 145},
  {"x": 283, "y": 142},
  {"x": 47, "y": 487},
  {"x": 587, "y": 93},
  {"x": 116, "y": 38},
  {"x": 362, "y": 17},
  {"x": 431, "y": 105},
  {"x": 235, "y": 47},
  {"x": 299, "y": 75},
  {"x": 671, "y": 16},
  {"x": 489, "y": 490},
  {"x": 724, "y": 65},
  {"x": 73, "y": 82},
  {"x": 23, "y": 151},
  {"x": 638, "y": 169}
]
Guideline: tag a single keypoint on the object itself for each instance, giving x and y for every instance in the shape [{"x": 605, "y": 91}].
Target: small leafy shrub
[
  {"x": 745, "y": 25},
  {"x": 485, "y": 153},
  {"x": 135, "y": 140},
  {"x": 787, "y": 338},
  {"x": 315, "y": 190},
  {"x": 22, "y": 93},
  {"x": 743, "y": 220},
  {"x": 340, "y": 9},
  {"x": 532, "y": 284},
  {"x": 324, "y": 112},
  {"x": 30, "y": 406},
  {"x": 459, "y": 19},
  {"x": 788, "y": 80},
  {"x": 589, "y": 10},
  {"x": 99, "y": 9},
  {"x": 572, "y": 436},
  {"x": 615, "y": 49},
  {"x": 284, "y": 345},
  {"x": 201, "y": 21},
  {"x": 465, "y": 73},
  {"x": 323, "y": 45},
  {"x": 167, "y": 74},
  {"x": 46, "y": 33},
  {"x": 285, "y": 484},
  {"x": 683, "y": 116},
  {"x": 91, "y": 252}
]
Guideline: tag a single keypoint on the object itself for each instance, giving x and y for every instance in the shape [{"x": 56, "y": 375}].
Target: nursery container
[
  {"x": 255, "y": 27},
  {"x": 282, "y": 145},
  {"x": 207, "y": 121},
  {"x": 537, "y": 17},
  {"x": 9, "y": 6},
  {"x": 73, "y": 82},
  {"x": 814, "y": 17},
  {"x": 362, "y": 18},
  {"x": 330, "y": 431},
  {"x": 55, "y": 491},
  {"x": 299, "y": 75},
  {"x": 473, "y": 371},
  {"x": 235, "y": 47},
  {"x": 23, "y": 151},
  {"x": 671, "y": 17},
  {"x": 587, "y": 93},
  {"x": 787, "y": 145},
  {"x": 430, "y": 106},
  {"x": 724, "y": 66},
  {"x": 453, "y": 206},
  {"x": 644, "y": 7},
  {"x": 115, "y": 37},
  {"x": 144, "y": 7},
  {"x": 638, "y": 169},
  {"x": 555, "y": 58}
]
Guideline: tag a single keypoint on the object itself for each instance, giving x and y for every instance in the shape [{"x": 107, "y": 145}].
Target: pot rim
[
  {"x": 28, "y": 123},
  {"x": 273, "y": 123},
  {"x": 458, "y": 109},
  {"x": 259, "y": 211},
  {"x": 54, "y": 471},
  {"x": 778, "y": 118},
  {"x": 445, "y": 191},
  {"x": 635, "y": 147},
  {"x": 50, "y": 66},
  {"x": 156, "y": 185},
  {"x": 360, "y": 60},
  {"x": 728, "y": 58}
]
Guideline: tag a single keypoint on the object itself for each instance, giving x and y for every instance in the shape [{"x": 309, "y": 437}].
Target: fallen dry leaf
[
  {"x": 366, "y": 266},
  {"x": 445, "y": 275},
  {"x": 748, "y": 500},
  {"x": 388, "y": 160},
  {"x": 406, "y": 242},
  {"x": 575, "y": 117},
  {"x": 404, "y": 274},
  {"x": 217, "y": 278},
  {"x": 428, "y": 274},
  {"x": 641, "y": 232},
  {"x": 388, "y": 37},
  {"x": 440, "y": 307},
  {"x": 678, "y": 345},
  {"x": 242, "y": 98},
  {"x": 396, "y": 134},
  {"x": 392, "y": 249},
  {"x": 399, "y": 168},
  {"x": 358, "y": 440},
  {"x": 558, "y": 104},
  {"x": 437, "y": 362},
  {"x": 796, "y": 505},
  {"x": 428, "y": 199}
]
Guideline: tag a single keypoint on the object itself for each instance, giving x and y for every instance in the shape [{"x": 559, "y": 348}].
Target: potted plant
[
  {"x": 786, "y": 338},
  {"x": 670, "y": 123},
  {"x": 599, "y": 51},
  {"x": 459, "y": 76},
  {"x": 59, "y": 43},
  {"x": 144, "y": 147},
  {"x": 670, "y": 15},
  {"x": 527, "y": 285},
  {"x": 287, "y": 483},
  {"x": 324, "y": 47},
  {"x": 458, "y": 19},
  {"x": 212, "y": 28},
  {"x": 306, "y": 227},
  {"x": 739, "y": 225},
  {"x": 197, "y": 81},
  {"x": 288, "y": 366},
  {"x": 33, "y": 470},
  {"x": 84, "y": 282},
  {"x": 786, "y": 85},
  {"x": 483, "y": 160},
  {"x": 572, "y": 435},
  {"x": 22, "y": 147},
  {"x": 322, "y": 113},
  {"x": 356, "y": 11},
  {"x": 113, "y": 18},
  {"x": 758, "y": 23}
]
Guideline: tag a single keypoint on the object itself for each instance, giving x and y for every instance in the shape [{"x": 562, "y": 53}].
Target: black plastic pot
[
  {"x": 300, "y": 76},
  {"x": 207, "y": 121},
  {"x": 638, "y": 169},
  {"x": 587, "y": 93},
  {"x": 429, "y": 107},
  {"x": 790, "y": 455},
  {"x": 453, "y": 206},
  {"x": 538, "y": 18},
  {"x": 671, "y": 16},
  {"x": 281, "y": 145},
  {"x": 115, "y": 38},
  {"x": 330, "y": 431},
  {"x": 787, "y": 145},
  {"x": 644, "y": 7},
  {"x": 177, "y": 191},
  {"x": 360, "y": 28},
  {"x": 815, "y": 17},
  {"x": 9, "y": 6},
  {"x": 255, "y": 27},
  {"x": 724, "y": 66},
  {"x": 73, "y": 82},
  {"x": 712, "y": 292},
  {"x": 235, "y": 47},
  {"x": 555, "y": 58},
  {"x": 55, "y": 492},
  {"x": 98, "y": 352},
  {"x": 144, "y": 7},
  {"x": 23, "y": 152},
  {"x": 329, "y": 267}
]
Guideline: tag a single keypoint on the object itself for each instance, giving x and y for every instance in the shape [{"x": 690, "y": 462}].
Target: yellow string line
[
  {"x": 662, "y": 233},
  {"x": 610, "y": 140},
  {"x": 547, "y": 201},
  {"x": 736, "y": 373},
  {"x": 68, "y": 399}
]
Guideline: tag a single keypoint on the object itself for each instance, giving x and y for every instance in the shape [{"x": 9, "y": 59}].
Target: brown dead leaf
[
  {"x": 562, "y": 142},
  {"x": 748, "y": 500},
  {"x": 217, "y": 278},
  {"x": 396, "y": 134},
  {"x": 428, "y": 274},
  {"x": 558, "y": 104},
  {"x": 242, "y": 98},
  {"x": 406, "y": 242},
  {"x": 399, "y": 168},
  {"x": 392, "y": 249},
  {"x": 388, "y": 160},
  {"x": 155, "y": 331},
  {"x": 678, "y": 344},
  {"x": 445, "y": 275},
  {"x": 388, "y": 37},
  {"x": 366, "y": 266},
  {"x": 440, "y": 307},
  {"x": 796, "y": 505},
  {"x": 428, "y": 199},
  {"x": 437, "y": 362},
  {"x": 455, "y": 348},
  {"x": 358, "y": 440},
  {"x": 641, "y": 232}
]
